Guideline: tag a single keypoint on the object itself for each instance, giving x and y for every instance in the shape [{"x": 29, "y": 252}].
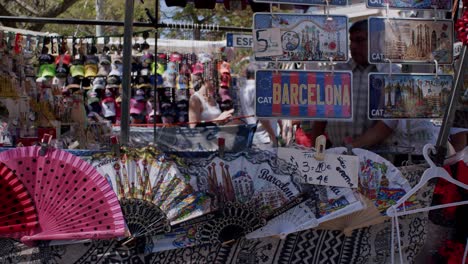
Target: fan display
[
  {"x": 379, "y": 180},
  {"x": 153, "y": 193},
  {"x": 17, "y": 213},
  {"x": 247, "y": 189},
  {"x": 72, "y": 200}
]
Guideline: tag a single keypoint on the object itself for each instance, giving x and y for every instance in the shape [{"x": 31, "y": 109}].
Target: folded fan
[
  {"x": 18, "y": 214},
  {"x": 72, "y": 199}
]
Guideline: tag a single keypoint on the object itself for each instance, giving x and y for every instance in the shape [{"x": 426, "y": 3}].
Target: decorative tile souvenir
[
  {"x": 410, "y": 40},
  {"x": 304, "y": 94},
  {"x": 306, "y": 37},
  {"x": 412, "y": 4},
  {"x": 399, "y": 96}
]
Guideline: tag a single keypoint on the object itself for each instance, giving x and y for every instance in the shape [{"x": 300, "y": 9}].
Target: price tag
[
  {"x": 267, "y": 42},
  {"x": 334, "y": 170}
]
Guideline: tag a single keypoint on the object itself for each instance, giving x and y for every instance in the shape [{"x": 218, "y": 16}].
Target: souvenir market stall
[{"x": 171, "y": 193}]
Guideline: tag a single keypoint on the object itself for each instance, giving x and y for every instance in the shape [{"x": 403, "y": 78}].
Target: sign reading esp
[{"x": 239, "y": 40}]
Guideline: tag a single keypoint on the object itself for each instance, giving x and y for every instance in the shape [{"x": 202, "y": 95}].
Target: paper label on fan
[
  {"x": 334, "y": 170},
  {"x": 267, "y": 42}
]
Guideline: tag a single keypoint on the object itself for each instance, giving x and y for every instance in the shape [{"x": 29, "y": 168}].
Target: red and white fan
[
  {"x": 72, "y": 199},
  {"x": 17, "y": 212}
]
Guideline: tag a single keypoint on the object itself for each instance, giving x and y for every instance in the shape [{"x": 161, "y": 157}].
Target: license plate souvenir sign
[
  {"x": 413, "y": 4},
  {"x": 302, "y": 37},
  {"x": 402, "y": 96},
  {"x": 410, "y": 40},
  {"x": 305, "y": 2},
  {"x": 304, "y": 95}
]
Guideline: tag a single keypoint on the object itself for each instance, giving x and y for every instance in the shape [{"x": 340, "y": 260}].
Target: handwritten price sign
[{"x": 334, "y": 170}]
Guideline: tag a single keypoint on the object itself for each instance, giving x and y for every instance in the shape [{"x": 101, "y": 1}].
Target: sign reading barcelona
[{"x": 303, "y": 95}]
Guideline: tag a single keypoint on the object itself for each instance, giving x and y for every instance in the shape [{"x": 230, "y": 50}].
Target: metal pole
[
  {"x": 449, "y": 115},
  {"x": 156, "y": 94},
  {"x": 99, "y": 16},
  {"x": 126, "y": 80}
]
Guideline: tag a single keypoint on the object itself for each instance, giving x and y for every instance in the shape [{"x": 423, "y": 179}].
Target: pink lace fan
[
  {"x": 72, "y": 199},
  {"x": 17, "y": 212}
]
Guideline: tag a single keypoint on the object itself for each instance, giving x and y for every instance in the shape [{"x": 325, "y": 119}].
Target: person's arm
[
  {"x": 373, "y": 136},
  {"x": 195, "y": 109}
]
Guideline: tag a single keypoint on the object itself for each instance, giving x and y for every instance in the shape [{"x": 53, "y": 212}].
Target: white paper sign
[
  {"x": 267, "y": 42},
  {"x": 334, "y": 170}
]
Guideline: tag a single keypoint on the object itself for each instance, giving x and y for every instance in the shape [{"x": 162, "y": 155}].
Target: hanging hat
[
  {"x": 104, "y": 70},
  {"x": 78, "y": 60},
  {"x": 61, "y": 71},
  {"x": 46, "y": 59},
  {"x": 160, "y": 68},
  {"x": 99, "y": 83},
  {"x": 65, "y": 59},
  {"x": 175, "y": 57},
  {"x": 77, "y": 70},
  {"x": 198, "y": 68},
  {"x": 162, "y": 57},
  {"x": 48, "y": 70},
  {"x": 90, "y": 70},
  {"x": 91, "y": 59},
  {"x": 108, "y": 93},
  {"x": 116, "y": 58},
  {"x": 185, "y": 70},
  {"x": 104, "y": 59},
  {"x": 147, "y": 58},
  {"x": 115, "y": 71},
  {"x": 204, "y": 57}
]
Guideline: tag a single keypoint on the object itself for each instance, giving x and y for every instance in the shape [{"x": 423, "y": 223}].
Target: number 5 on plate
[{"x": 267, "y": 42}]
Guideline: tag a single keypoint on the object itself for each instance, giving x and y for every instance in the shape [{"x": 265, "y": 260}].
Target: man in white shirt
[{"x": 266, "y": 129}]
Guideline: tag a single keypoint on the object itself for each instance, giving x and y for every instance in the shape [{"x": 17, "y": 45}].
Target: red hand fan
[
  {"x": 72, "y": 199},
  {"x": 17, "y": 213}
]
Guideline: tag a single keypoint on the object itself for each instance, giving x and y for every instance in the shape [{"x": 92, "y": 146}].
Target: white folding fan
[
  {"x": 301, "y": 216},
  {"x": 72, "y": 199},
  {"x": 153, "y": 193}
]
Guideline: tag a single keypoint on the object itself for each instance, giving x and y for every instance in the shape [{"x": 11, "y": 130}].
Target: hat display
[
  {"x": 147, "y": 58},
  {"x": 116, "y": 58},
  {"x": 91, "y": 59},
  {"x": 136, "y": 105},
  {"x": 104, "y": 70},
  {"x": 46, "y": 59},
  {"x": 48, "y": 70},
  {"x": 62, "y": 71},
  {"x": 160, "y": 68},
  {"x": 182, "y": 82},
  {"x": 99, "y": 83},
  {"x": 91, "y": 70},
  {"x": 64, "y": 59},
  {"x": 77, "y": 70},
  {"x": 104, "y": 59},
  {"x": 175, "y": 57},
  {"x": 198, "y": 68},
  {"x": 204, "y": 57},
  {"x": 115, "y": 71}
]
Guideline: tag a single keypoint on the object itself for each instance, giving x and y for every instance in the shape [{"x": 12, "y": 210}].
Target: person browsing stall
[{"x": 203, "y": 106}]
